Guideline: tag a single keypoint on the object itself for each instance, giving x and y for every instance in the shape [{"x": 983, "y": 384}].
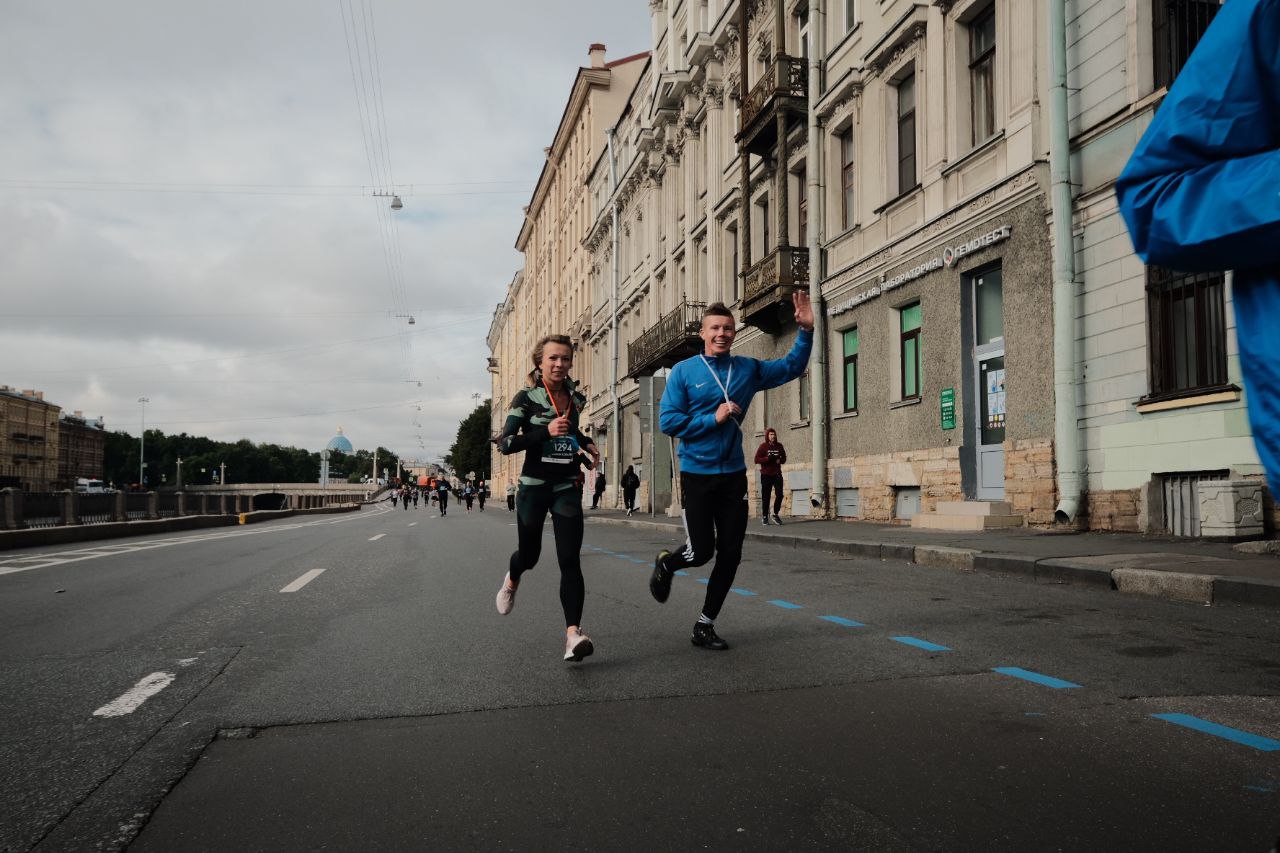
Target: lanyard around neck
[
  {"x": 552, "y": 396},
  {"x": 724, "y": 386}
]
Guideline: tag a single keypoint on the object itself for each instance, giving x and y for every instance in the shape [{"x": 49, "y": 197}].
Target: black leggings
[
  {"x": 629, "y": 498},
  {"x": 715, "y": 516},
  {"x": 767, "y": 482},
  {"x": 565, "y": 505}
]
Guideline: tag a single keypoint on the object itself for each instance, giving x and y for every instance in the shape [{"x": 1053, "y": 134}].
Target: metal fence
[
  {"x": 42, "y": 509},
  {"x": 137, "y": 505},
  {"x": 95, "y": 508},
  {"x": 167, "y": 504}
]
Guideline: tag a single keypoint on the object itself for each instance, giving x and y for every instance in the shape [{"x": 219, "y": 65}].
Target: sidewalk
[{"x": 1180, "y": 569}]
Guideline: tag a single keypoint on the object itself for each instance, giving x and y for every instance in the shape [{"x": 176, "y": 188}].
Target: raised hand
[
  {"x": 804, "y": 309},
  {"x": 558, "y": 426}
]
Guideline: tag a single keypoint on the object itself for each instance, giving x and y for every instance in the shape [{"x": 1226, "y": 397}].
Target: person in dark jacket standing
[
  {"x": 705, "y": 400},
  {"x": 630, "y": 485},
  {"x": 543, "y": 423},
  {"x": 598, "y": 492},
  {"x": 771, "y": 456},
  {"x": 1200, "y": 193}
]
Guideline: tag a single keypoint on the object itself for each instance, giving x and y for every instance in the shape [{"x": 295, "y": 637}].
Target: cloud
[{"x": 241, "y": 311}]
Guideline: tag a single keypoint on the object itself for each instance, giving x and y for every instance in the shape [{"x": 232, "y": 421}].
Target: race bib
[{"x": 560, "y": 450}]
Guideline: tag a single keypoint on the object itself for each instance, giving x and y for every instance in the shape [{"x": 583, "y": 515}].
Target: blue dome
[{"x": 340, "y": 443}]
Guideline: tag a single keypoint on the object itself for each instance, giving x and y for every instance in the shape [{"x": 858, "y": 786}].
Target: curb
[{"x": 1187, "y": 587}]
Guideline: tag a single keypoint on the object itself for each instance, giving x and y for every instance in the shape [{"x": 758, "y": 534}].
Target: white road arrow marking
[{"x": 133, "y": 698}]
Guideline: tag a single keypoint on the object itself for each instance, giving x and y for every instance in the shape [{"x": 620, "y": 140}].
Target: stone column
[
  {"x": 70, "y": 508},
  {"x": 153, "y": 505},
  {"x": 120, "y": 507},
  {"x": 182, "y": 504},
  {"x": 10, "y": 509}
]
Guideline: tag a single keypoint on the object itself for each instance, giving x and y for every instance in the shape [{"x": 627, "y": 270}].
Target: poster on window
[{"x": 995, "y": 399}]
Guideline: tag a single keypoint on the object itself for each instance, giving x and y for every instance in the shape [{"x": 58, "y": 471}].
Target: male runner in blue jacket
[
  {"x": 1202, "y": 191},
  {"x": 704, "y": 404}
]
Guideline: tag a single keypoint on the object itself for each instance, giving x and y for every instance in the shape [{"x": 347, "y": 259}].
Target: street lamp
[{"x": 142, "y": 442}]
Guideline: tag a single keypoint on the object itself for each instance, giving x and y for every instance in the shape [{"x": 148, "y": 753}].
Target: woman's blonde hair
[{"x": 563, "y": 340}]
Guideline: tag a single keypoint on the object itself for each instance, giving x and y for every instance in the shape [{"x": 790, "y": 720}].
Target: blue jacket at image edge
[
  {"x": 689, "y": 403},
  {"x": 1202, "y": 191}
]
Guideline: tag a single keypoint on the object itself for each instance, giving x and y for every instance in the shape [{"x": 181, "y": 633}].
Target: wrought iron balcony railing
[
  {"x": 672, "y": 338},
  {"x": 786, "y": 77},
  {"x": 784, "y": 267}
]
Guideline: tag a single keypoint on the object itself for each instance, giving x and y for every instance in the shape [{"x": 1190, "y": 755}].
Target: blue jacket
[
  {"x": 1202, "y": 191},
  {"x": 692, "y": 396}
]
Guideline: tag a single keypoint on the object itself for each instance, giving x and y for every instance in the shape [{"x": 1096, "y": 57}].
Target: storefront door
[{"x": 989, "y": 374}]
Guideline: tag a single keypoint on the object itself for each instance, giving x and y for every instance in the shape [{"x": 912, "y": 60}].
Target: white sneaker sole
[{"x": 581, "y": 649}]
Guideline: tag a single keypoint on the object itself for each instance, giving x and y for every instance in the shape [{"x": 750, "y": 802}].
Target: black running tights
[
  {"x": 715, "y": 516},
  {"x": 565, "y": 506}
]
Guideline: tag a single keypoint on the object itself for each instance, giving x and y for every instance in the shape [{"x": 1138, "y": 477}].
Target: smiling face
[
  {"x": 717, "y": 334},
  {"x": 557, "y": 361}
]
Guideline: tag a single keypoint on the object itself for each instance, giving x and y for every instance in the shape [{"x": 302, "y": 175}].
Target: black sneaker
[
  {"x": 705, "y": 637},
  {"x": 765, "y": 520},
  {"x": 660, "y": 581},
  {"x": 777, "y": 520}
]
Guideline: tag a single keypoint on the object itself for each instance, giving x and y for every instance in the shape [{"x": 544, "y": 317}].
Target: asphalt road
[{"x": 167, "y": 694}]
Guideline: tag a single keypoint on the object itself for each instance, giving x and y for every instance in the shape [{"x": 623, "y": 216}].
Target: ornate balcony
[
  {"x": 784, "y": 86},
  {"x": 672, "y": 338},
  {"x": 766, "y": 300}
]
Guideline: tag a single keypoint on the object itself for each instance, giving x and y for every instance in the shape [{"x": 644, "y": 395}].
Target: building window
[
  {"x": 851, "y": 370},
  {"x": 802, "y": 32},
  {"x": 982, "y": 83},
  {"x": 907, "y": 133},
  {"x": 846, "y": 178},
  {"x": 1176, "y": 28},
  {"x": 731, "y": 234},
  {"x": 802, "y": 210},
  {"x": 909, "y": 351},
  {"x": 803, "y": 387},
  {"x": 1187, "y": 331},
  {"x": 850, "y": 14},
  {"x": 765, "y": 237}
]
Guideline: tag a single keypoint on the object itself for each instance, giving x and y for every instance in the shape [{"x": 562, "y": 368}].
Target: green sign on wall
[{"x": 948, "y": 408}]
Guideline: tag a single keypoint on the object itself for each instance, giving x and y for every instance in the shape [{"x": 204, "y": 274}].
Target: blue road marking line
[
  {"x": 786, "y": 605},
  {"x": 920, "y": 644},
  {"x": 840, "y": 620},
  {"x": 741, "y": 591},
  {"x": 1265, "y": 744},
  {"x": 1035, "y": 677},
  {"x": 638, "y": 560},
  {"x": 682, "y": 573},
  {"x": 704, "y": 580},
  {"x": 1259, "y": 789}
]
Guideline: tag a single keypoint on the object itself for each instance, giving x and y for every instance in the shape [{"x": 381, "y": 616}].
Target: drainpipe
[
  {"x": 818, "y": 409},
  {"x": 615, "y": 463},
  {"x": 1066, "y": 432},
  {"x": 744, "y": 159}
]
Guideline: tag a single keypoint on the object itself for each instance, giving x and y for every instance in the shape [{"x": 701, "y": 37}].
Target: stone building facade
[
  {"x": 934, "y": 254},
  {"x": 29, "y": 440},
  {"x": 552, "y": 295},
  {"x": 1161, "y": 402},
  {"x": 81, "y": 442}
]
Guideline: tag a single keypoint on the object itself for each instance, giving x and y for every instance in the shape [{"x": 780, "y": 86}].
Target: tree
[{"x": 470, "y": 451}]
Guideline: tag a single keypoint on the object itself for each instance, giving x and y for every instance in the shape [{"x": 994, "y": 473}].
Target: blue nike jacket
[
  {"x": 692, "y": 396},
  {"x": 1202, "y": 191}
]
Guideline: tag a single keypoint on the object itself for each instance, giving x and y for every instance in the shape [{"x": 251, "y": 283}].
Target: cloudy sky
[{"x": 187, "y": 209}]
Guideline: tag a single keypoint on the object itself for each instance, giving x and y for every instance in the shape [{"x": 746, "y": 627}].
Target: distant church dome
[{"x": 340, "y": 443}]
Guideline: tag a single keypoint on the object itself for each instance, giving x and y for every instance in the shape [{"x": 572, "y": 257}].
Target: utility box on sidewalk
[{"x": 1230, "y": 509}]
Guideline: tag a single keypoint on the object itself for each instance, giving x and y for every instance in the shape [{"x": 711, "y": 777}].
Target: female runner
[{"x": 543, "y": 422}]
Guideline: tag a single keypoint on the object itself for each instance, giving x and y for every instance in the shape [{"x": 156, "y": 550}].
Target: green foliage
[
  {"x": 246, "y": 462},
  {"x": 470, "y": 451}
]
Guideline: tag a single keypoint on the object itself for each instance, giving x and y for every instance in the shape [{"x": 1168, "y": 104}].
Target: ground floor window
[
  {"x": 850, "y": 341},
  {"x": 1187, "y": 331},
  {"x": 909, "y": 322}
]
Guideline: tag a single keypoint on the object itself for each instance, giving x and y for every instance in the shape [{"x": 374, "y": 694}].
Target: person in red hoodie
[{"x": 771, "y": 456}]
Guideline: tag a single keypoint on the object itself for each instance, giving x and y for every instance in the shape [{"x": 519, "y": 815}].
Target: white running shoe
[
  {"x": 577, "y": 646},
  {"x": 506, "y": 596}
]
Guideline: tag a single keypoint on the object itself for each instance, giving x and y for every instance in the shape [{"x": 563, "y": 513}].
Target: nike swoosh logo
[{"x": 699, "y": 384}]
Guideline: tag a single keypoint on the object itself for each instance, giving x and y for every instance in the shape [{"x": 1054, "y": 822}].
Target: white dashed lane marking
[
  {"x": 376, "y": 538},
  {"x": 132, "y": 699},
  {"x": 303, "y": 581}
]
